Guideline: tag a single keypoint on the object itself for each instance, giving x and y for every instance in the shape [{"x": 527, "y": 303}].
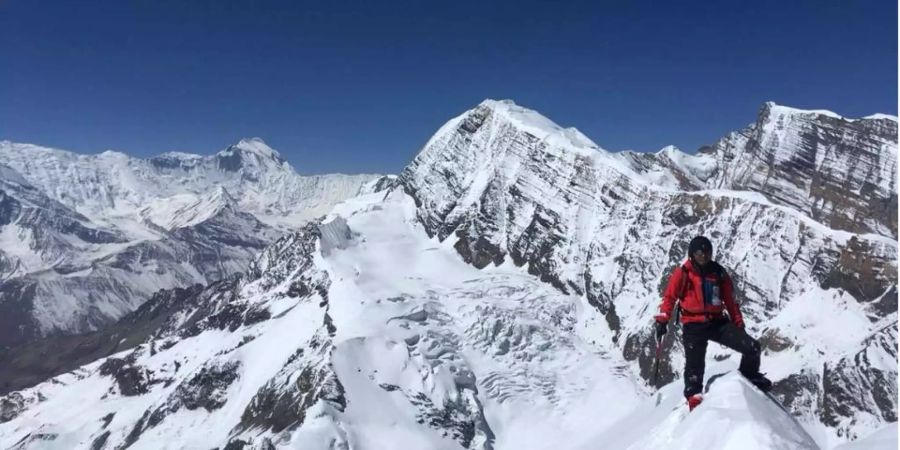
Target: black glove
[{"x": 661, "y": 329}]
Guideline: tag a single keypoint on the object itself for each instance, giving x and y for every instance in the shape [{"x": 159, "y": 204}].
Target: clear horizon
[
  {"x": 359, "y": 88},
  {"x": 362, "y": 172}
]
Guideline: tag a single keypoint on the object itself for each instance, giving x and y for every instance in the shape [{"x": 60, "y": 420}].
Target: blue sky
[{"x": 360, "y": 86}]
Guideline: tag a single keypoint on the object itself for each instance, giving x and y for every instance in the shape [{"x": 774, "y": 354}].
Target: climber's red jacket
[{"x": 702, "y": 298}]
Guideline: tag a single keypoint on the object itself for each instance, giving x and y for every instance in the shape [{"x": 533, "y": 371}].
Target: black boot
[{"x": 761, "y": 382}]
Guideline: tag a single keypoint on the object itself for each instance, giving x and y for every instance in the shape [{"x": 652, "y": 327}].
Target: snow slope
[{"x": 395, "y": 342}]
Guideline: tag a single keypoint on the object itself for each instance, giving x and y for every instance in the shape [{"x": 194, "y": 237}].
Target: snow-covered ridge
[
  {"x": 800, "y": 159},
  {"x": 533, "y": 122},
  {"x": 880, "y": 116},
  {"x": 672, "y": 170},
  {"x": 185, "y": 210},
  {"x": 258, "y": 146},
  {"x": 724, "y": 170},
  {"x": 777, "y": 109}
]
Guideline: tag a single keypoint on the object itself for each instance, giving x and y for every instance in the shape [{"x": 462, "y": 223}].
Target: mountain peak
[
  {"x": 251, "y": 155},
  {"x": 536, "y": 124},
  {"x": 257, "y": 146},
  {"x": 220, "y": 196},
  {"x": 773, "y": 109}
]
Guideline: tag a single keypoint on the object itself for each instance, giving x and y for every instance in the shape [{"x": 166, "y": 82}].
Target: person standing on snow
[{"x": 705, "y": 293}]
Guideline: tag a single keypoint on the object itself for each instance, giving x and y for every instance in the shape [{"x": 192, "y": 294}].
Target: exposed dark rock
[
  {"x": 856, "y": 274},
  {"x": 256, "y": 315},
  {"x": 856, "y": 383},
  {"x": 822, "y": 164},
  {"x": 277, "y": 407},
  {"x": 112, "y": 366},
  {"x": 612, "y": 319},
  {"x": 385, "y": 183},
  {"x": 642, "y": 349},
  {"x": 772, "y": 340},
  {"x": 136, "y": 431},
  {"x": 229, "y": 160},
  {"x": 798, "y": 392},
  {"x": 100, "y": 442},
  {"x": 597, "y": 296},
  {"x": 107, "y": 419},
  {"x": 886, "y": 304},
  {"x": 207, "y": 389},
  {"x": 32, "y": 440},
  {"x": 11, "y": 406},
  {"x": 681, "y": 217},
  {"x": 329, "y": 325},
  {"x": 475, "y": 120},
  {"x": 477, "y": 250},
  {"x": 236, "y": 444},
  {"x": 294, "y": 356},
  {"x": 131, "y": 379},
  {"x": 460, "y": 418},
  {"x": 298, "y": 289}
]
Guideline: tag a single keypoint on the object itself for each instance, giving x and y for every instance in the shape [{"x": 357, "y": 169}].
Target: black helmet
[{"x": 700, "y": 243}]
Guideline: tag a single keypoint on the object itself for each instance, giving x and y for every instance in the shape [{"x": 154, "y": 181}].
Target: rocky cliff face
[
  {"x": 506, "y": 184},
  {"x": 840, "y": 172}
]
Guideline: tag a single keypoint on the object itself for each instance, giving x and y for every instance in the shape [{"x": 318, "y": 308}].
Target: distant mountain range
[{"x": 85, "y": 239}]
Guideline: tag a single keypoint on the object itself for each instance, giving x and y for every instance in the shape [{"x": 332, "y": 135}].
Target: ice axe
[{"x": 659, "y": 339}]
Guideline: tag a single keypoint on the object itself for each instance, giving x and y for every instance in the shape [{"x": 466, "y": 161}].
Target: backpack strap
[
  {"x": 684, "y": 279},
  {"x": 681, "y": 291},
  {"x": 720, "y": 273}
]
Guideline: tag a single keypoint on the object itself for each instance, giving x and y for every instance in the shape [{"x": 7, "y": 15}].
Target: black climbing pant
[{"x": 695, "y": 337}]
